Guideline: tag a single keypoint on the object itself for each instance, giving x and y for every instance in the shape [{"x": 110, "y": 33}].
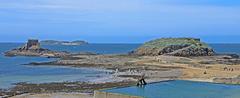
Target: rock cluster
[
  {"x": 175, "y": 47},
  {"x": 32, "y": 48},
  {"x": 235, "y": 80}
]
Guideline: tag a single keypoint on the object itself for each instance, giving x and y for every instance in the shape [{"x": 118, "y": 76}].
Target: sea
[{"x": 13, "y": 70}]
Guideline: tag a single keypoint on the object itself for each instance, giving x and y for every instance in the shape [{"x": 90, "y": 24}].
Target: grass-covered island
[
  {"x": 176, "y": 47},
  {"x": 161, "y": 59}
]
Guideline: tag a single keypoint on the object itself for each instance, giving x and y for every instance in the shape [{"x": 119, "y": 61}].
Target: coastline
[{"x": 125, "y": 70}]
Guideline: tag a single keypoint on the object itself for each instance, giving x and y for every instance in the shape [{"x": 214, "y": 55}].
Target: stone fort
[{"x": 33, "y": 44}]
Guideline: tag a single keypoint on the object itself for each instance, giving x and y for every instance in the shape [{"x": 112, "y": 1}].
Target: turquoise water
[{"x": 181, "y": 89}]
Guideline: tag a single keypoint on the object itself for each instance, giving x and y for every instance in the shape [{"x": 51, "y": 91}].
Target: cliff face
[{"x": 175, "y": 47}]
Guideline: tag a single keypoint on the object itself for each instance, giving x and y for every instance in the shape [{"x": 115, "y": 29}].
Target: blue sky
[{"x": 119, "y": 21}]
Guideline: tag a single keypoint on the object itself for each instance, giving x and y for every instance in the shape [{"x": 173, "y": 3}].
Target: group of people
[
  {"x": 228, "y": 69},
  {"x": 141, "y": 80}
]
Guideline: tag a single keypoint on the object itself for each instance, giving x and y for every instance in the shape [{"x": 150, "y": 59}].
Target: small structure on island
[
  {"x": 33, "y": 44},
  {"x": 32, "y": 48}
]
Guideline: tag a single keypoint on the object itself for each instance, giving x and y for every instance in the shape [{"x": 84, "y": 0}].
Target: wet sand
[{"x": 125, "y": 70}]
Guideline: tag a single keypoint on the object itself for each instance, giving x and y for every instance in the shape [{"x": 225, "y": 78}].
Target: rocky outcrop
[
  {"x": 32, "y": 48},
  {"x": 192, "y": 51},
  {"x": 235, "y": 80},
  {"x": 175, "y": 47}
]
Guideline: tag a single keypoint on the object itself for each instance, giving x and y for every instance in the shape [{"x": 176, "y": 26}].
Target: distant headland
[{"x": 55, "y": 42}]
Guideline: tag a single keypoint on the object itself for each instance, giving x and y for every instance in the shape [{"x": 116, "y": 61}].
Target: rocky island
[
  {"x": 32, "y": 48},
  {"x": 175, "y": 47},
  {"x": 54, "y": 42}
]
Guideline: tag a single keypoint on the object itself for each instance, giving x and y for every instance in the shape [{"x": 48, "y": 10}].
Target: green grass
[{"x": 164, "y": 42}]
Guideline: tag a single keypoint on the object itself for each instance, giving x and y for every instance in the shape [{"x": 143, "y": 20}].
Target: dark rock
[
  {"x": 235, "y": 80},
  {"x": 32, "y": 48},
  {"x": 230, "y": 56}
]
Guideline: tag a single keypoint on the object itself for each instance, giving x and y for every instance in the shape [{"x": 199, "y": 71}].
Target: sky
[{"x": 119, "y": 21}]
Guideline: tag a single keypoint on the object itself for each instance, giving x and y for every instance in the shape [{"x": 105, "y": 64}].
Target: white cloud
[{"x": 90, "y": 5}]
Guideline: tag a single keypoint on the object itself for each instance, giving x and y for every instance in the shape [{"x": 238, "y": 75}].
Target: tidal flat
[{"x": 125, "y": 69}]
